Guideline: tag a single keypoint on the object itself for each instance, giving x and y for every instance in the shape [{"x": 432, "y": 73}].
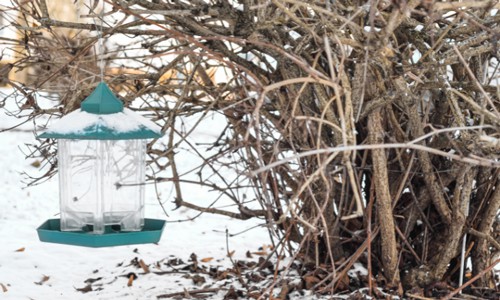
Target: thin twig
[
  {"x": 190, "y": 292},
  {"x": 488, "y": 237},
  {"x": 471, "y": 281},
  {"x": 409, "y": 145}
]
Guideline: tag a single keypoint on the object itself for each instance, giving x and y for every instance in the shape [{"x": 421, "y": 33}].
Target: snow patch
[
  {"x": 357, "y": 269},
  {"x": 126, "y": 121}
]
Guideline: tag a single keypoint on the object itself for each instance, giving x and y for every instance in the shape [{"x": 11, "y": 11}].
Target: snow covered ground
[{"x": 30, "y": 269}]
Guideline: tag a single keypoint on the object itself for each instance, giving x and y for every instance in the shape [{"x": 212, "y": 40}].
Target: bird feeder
[{"x": 101, "y": 161}]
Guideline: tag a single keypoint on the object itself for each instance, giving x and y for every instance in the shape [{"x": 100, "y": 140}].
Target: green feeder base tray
[{"x": 50, "y": 231}]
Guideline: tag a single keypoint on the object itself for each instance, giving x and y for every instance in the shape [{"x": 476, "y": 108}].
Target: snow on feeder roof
[{"x": 103, "y": 117}]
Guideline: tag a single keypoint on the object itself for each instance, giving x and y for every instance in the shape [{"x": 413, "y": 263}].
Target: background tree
[{"x": 368, "y": 131}]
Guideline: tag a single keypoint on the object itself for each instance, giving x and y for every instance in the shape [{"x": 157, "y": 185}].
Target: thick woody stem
[
  {"x": 430, "y": 178},
  {"x": 482, "y": 255},
  {"x": 384, "y": 206}
]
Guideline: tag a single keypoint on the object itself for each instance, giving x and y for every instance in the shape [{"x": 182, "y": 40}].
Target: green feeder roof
[
  {"x": 103, "y": 117},
  {"x": 102, "y": 101}
]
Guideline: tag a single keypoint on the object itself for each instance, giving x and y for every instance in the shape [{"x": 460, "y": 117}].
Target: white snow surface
[{"x": 78, "y": 120}]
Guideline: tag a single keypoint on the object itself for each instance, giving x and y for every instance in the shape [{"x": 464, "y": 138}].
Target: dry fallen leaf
[
  {"x": 223, "y": 275},
  {"x": 21, "y": 249},
  {"x": 265, "y": 247},
  {"x": 344, "y": 282},
  {"x": 261, "y": 253},
  {"x": 198, "y": 280},
  {"x": 206, "y": 259},
  {"x": 131, "y": 278},
  {"x": 254, "y": 295},
  {"x": 36, "y": 164},
  {"x": 144, "y": 266},
  {"x": 310, "y": 281},
  {"x": 230, "y": 254},
  {"x": 45, "y": 278},
  {"x": 85, "y": 289},
  {"x": 92, "y": 280},
  {"x": 4, "y": 288}
]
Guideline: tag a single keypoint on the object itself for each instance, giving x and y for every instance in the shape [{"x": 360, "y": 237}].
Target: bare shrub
[{"x": 367, "y": 130}]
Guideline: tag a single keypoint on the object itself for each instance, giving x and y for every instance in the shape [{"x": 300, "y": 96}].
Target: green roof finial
[{"x": 102, "y": 101}]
